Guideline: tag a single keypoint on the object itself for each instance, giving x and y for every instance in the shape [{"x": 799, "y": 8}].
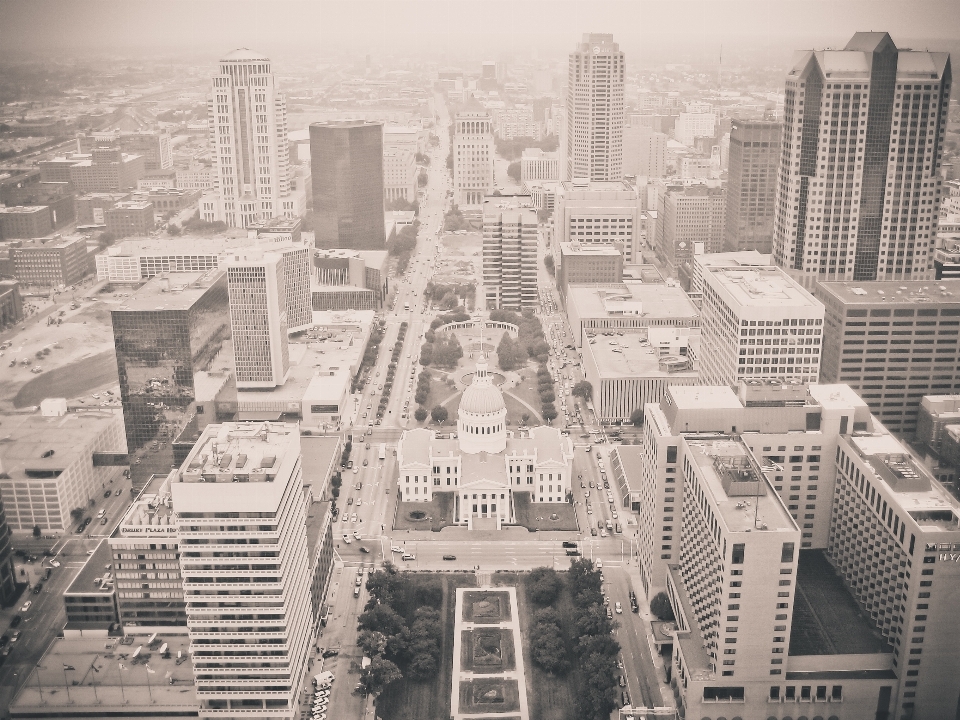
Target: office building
[
  {"x": 741, "y": 305},
  {"x": 168, "y": 200},
  {"x": 588, "y": 265},
  {"x": 196, "y": 178},
  {"x": 248, "y": 139},
  {"x": 53, "y": 261},
  {"x": 543, "y": 195},
  {"x": 509, "y": 252},
  {"x": 518, "y": 122},
  {"x": 731, "y": 260},
  {"x": 751, "y": 185},
  {"x": 473, "y": 153},
  {"x": 106, "y": 170},
  {"x": 349, "y": 279},
  {"x": 938, "y": 434},
  {"x": 821, "y": 231},
  {"x": 537, "y": 166},
  {"x": 8, "y": 579},
  {"x": 253, "y": 471},
  {"x": 25, "y": 222},
  {"x": 90, "y": 207},
  {"x": 403, "y": 137},
  {"x": 175, "y": 363},
  {"x": 157, "y": 180},
  {"x": 155, "y": 146},
  {"x": 54, "y": 463},
  {"x": 644, "y": 152},
  {"x": 347, "y": 170},
  {"x": 483, "y": 467},
  {"x": 129, "y": 217},
  {"x": 144, "y": 550},
  {"x": 603, "y": 213},
  {"x": 687, "y": 215},
  {"x": 593, "y": 128},
  {"x": 90, "y": 601},
  {"x": 696, "y": 168},
  {"x": 399, "y": 175},
  {"x": 11, "y": 303},
  {"x": 892, "y": 342},
  {"x": 693, "y": 125},
  {"x": 946, "y": 261}
]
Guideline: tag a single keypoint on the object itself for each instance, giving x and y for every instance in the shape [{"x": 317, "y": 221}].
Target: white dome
[{"x": 482, "y": 397}]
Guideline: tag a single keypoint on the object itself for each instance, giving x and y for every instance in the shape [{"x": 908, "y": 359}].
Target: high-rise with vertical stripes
[{"x": 859, "y": 183}]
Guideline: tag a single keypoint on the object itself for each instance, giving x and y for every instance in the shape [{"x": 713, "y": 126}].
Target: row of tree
[
  {"x": 530, "y": 333},
  {"x": 547, "y": 395},
  {"x": 448, "y": 296},
  {"x": 369, "y": 358},
  {"x": 445, "y": 351},
  {"x": 403, "y": 244}
]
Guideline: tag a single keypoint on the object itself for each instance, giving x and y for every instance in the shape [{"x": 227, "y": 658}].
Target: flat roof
[
  {"x": 131, "y": 205},
  {"x": 180, "y": 245},
  {"x": 576, "y": 248},
  {"x": 826, "y": 618},
  {"x": 749, "y": 258},
  {"x": 595, "y": 185},
  {"x": 320, "y": 454},
  {"x": 658, "y": 300},
  {"x": 703, "y": 397},
  {"x": 253, "y": 451},
  {"x": 21, "y": 209},
  {"x": 693, "y": 645},
  {"x": 96, "y": 566},
  {"x": 35, "y": 445},
  {"x": 95, "y": 689},
  {"x": 631, "y": 460},
  {"x": 763, "y": 286},
  {"x": 319, "y": 370},
  {"x": 50, "y": 242},
  {"x": 894, "y": 291},
  {"x": 172, "y": 291},
  {"x": 630, "y": 355},
  {"x": 726, "y": 461}
]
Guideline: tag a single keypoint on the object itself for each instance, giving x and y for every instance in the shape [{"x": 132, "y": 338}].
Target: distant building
[
  {"x": 936, "y": 414},
  {"x": 692, "y": 168},
  {"x": 601, "y": 213},
  {"x": 157, "y": 179},
  {"x": 473, "y": 154},
  {"x": 893, "y": 343},
  {"x": 56, "y": 458},
  {"x": 349, "y": 279},
  {"x": 686, "y": 215},
  {"x": 347, "y": 174},
  {"x": 587, "y": 265},
  {"x": 752, "y": 185},
  {"x": 946, "y": 261},
  {"x": 129, "y": 217},
  {"x": 644, "y": 152},
  {"x": 742, "y": 311},
  {"x": 53, "y": 261},
  {"x": 90, "y": 207},
  {"x": 593, "y": 128},
  {"x": 537, "y": 166},
  {"x": 732, "y": 260},
  {"x": 509, "y": 252},
  {"x": 176, "y": 369},
  {"x": 11, "y": 303},
  {"x": 874, "y": 234},
  {"x": 168, "y": 200},
  {"x": 107, "y": 170},
  {"x": 196, "y": 178},
  {"x": 518, "y": 122},
  {"x": 693, "y": 125},
  {"x": 399, "y": 175},
  {"x": 155, "y": 146},
  {"x": 25, "y": 222}
]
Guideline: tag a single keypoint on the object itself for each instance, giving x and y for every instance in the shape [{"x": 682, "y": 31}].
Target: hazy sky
[{"x": 452, "y": 29}]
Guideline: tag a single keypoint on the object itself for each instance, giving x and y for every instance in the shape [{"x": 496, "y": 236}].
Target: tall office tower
[
  {"x": 347, "y": 170},
  {"x": 8, "y": 578},
  {"x": 644, "y": 152},
  {"x": 246, "y": 583},
  {"x": 893, "y": 342},
  {"x": 758, "y": 323},
  {"x": 751, "y": 185},
  {"x": 472, "y": 158},
  {"x": 594, "y": 117},
  {"x": 861, "y": 204},
  {"x": 509, "y": 252},
  {"x": 172, "y": 339},
  {"x": 248, "y": 138},
  {"x": 793, "y": 426},
  {"x": 687, "y": 215}
]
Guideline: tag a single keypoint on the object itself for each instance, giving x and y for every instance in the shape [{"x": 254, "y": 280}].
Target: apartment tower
[
  {"x": 859, "y": 185},
  {"x": 751, "y": 185},
  {"x": 509, "y": 252},
  {"x": 593, "y": 128}
]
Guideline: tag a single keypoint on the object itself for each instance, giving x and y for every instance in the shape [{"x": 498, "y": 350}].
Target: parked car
[
  {"x": 26, "y": 606},
  {"x": 449, "y": 557},
  {"x": 569, "y": 544},
  {"x": 409, "y": 556}
]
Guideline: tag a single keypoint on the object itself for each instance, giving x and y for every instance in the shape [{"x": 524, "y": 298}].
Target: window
[
  {"x": 786, "y": 552},
  {"x": 738, "y": 550}
]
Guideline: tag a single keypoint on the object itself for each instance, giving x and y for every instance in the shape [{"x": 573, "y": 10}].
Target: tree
[
  {"x": 583, "y": 389},
  {"x": 636, "y": 417},
  {"x": 525, "y": 418},
  {"x": 381, "y": 618},
  {"x": 77, "y": 513},
  {"x": 173, "y": 229},
  {"x": 378, "y": 674},
  {"x": 422, "y": 179},
  {"x": 36, "y": 531},
  {"x": 372, "y": 642},
  {"x": 593, "y": 620},
  {"x": 513, "y": 170},
  {"x": 509, "y": 353},
  {"x": 439, "y": 414},
  {"x": 421, "y": 414},
  {"x": 661, "y": 607},
  {"x": 549, "y": 264},
  {"x": 545, "y": 585},
  {"x": 547, "y": 396},
  {"x": 549, "y": 415}
]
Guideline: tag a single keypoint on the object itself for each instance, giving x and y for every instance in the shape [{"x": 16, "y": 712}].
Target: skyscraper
[
  {"x": 751, "y": 185},
  {"x": 248, "y": 140},
  {"x": 644, "y": 152},
  {"x": 172, "y": 340},
  {"x": 593, "y": 129},
  {"x": 859, "y": 185},
  {"x": 347, "y": 162},
  {"x": 246, "y": 583},
  {"x": 472, "y": 157},
  {"x": 509, "y": 252}
]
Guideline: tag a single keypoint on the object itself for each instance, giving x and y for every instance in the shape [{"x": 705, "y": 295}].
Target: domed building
[{"x": 483, "y": 465}]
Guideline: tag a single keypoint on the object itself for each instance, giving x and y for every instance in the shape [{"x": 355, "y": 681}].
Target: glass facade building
[
  {"x": 7, "y": 576},
  {"x": 347, "y": 170},
  {"x": 175, "y": 362}
]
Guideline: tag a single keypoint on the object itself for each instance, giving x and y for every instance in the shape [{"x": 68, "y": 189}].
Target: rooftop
[
  {"x": 131, "y": 205},
  {"x": 698, "y": 397},
  {"x": 173, "y": 291},
  {"x": 826, "y": 618},
  {"x": 762, "y": 287},
  {"x": 588, "y": 249},
  {"x": 693, "y": 645},
  {"x": 655, "y": 300},
  {"x": 47, "y": 243},
  {"x": 894, "y": 291},
  {"x": 239, "y": 453},
  {"x": 151, "y": 513},
  {"x": 739, "y": 488},
  {"x": 91, "y": 579},
  {"x": 320, "y": 455},
  {"x": 22, "y": 209},
  {"x": 180, "y": 245},
  {"x": 36, "y": 447},
  {"x": 595, "y": 186},
  {"x": 748, "y": 258},
  {"x": 100, "y": 693},
  {"x": 631, "y": 460},
  {"x": 632, "y": 355}
]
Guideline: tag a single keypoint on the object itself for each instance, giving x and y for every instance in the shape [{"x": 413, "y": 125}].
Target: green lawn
[
  {"x": 538, "y": 516},
  {"x": 428, "y": 700},
  {"x": 439, "y": 510}
]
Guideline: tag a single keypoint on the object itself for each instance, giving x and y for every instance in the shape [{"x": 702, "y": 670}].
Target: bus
[{"x": 383, "y": 451}]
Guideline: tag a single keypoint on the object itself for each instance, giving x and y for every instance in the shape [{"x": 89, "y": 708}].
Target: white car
[
  {"x": 396, "y": 548},
  {"x": 618, "y": 609},
  {"x": 599, "y": 563},
  {"x": 406, "y": 556},
  {"x": 353, "y": 517},
  {"x": 28, "y": 603},
  {"x": 346, "y": 539},
  {"x": 356, "y": 534}
]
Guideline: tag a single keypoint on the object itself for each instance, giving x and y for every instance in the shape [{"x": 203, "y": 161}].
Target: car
[
  {"x": 359, "y": 502},
  {"x": 356, "y": 534},
  {"x": 329, "y": 653},
  {"x": 598, "y": 564},
  {"x": 368, "y": 446},
  {"x": 364, "y": 549},
  {"x": 26, "y": 606},
  {"x": 625, "y": 697},
  {"x": 353, "y": 517},
  {"x": 620, "y": 663},
  {"x": 396, "y": 548},
  {"x": 589, "y": 510},
  {"x": 409, "y": 556},
  {"x": 609, "y": 613},
  {"x": 569, "y": 544},
  {"x": 622, "y": 681},
  {"x": 346, "y": 539},
  {"x": 55, "y": 563},
  {"x": 37, "y": 588},
  {"x": 365, "y": 462},
  {"x": 603, "y": 534},
  {"x": 87, "y": 520},
  {"x": 591, "y": 485},
  {"x": 15, "y": 620},
  {"x": 618, "y": 608},
  {"x": 449, "y": 557},
  {"x": 593, "y": 531},
  {"x": 598, "y": 455},
  {"x": 582, "y": 484},
  {"x": 350, "y": 501},
  {"x": 107, "y": 494},
  {"x": 15, "y": 635},
  {"x": 634, "y": 608},
  {"x": 117, "y": 493},
  {"x": 573, "y": 553}
]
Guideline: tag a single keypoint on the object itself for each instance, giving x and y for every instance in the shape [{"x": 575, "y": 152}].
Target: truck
[
  {"x": 406, "y": 306},
  {"x": 383, "y": 451}
]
